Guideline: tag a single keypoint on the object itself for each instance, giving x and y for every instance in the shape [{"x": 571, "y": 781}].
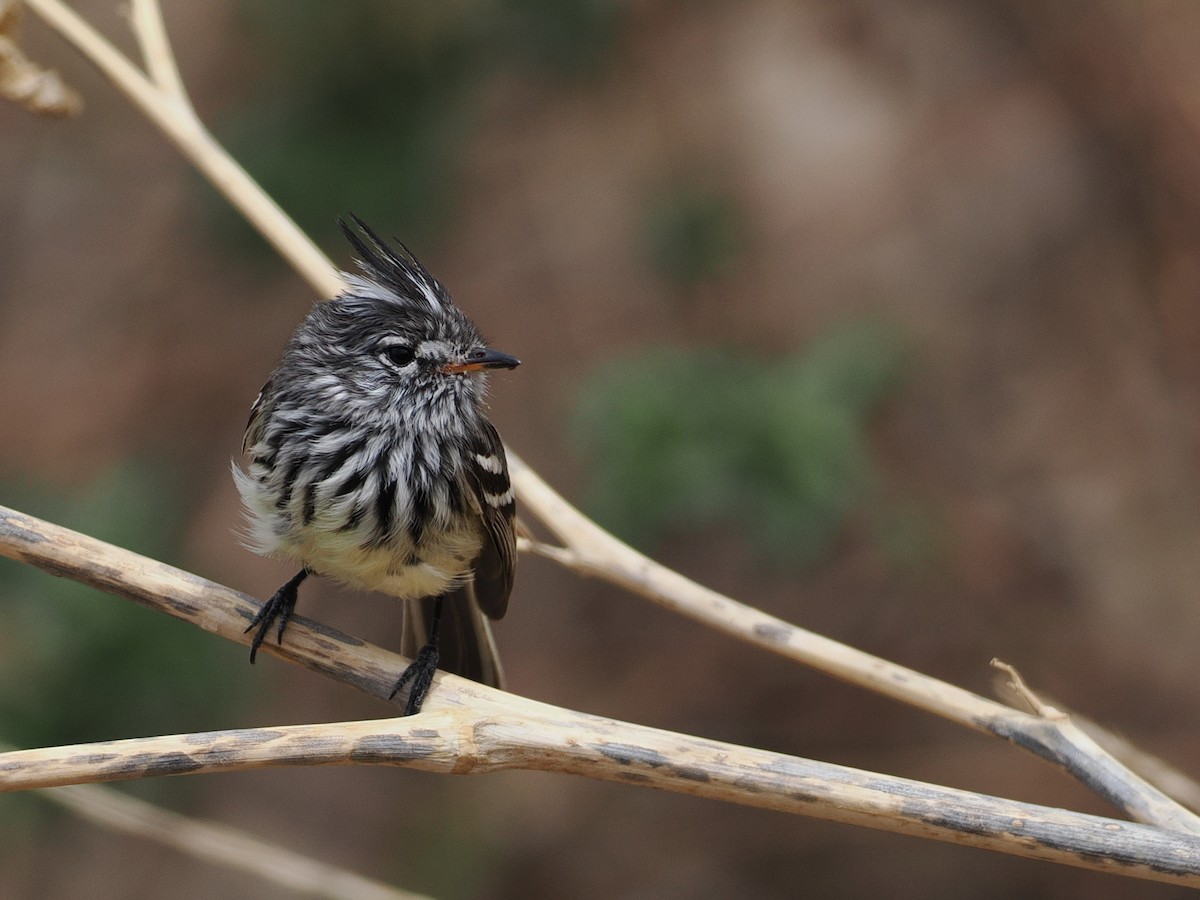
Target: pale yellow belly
[{"x": 439, "y": 566}]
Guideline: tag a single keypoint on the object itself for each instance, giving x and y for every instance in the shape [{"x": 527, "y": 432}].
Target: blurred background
[{"x": 881, "y": 317}]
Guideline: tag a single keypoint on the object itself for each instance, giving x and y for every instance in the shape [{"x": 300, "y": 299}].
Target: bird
[{"x": 371, "y": 461}]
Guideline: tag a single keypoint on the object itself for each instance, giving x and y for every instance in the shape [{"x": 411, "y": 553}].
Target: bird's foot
[
  {"x": 278, "y": 609},
  {"x": 420, "y": 673}
]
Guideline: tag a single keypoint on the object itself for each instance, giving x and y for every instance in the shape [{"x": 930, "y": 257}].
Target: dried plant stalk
[
  {"x": 534, "y": 734},
  {"x": 220, "y": 844},
  {"x": 41, "y": 91},
  {"x": 468, "y": 728}
]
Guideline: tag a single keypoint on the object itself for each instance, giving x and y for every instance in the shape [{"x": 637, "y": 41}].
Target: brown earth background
[{"x": 1014, "y": 187}]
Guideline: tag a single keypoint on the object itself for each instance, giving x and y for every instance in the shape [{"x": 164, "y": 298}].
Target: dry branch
[
  {"x": 221, "y": 845},
  {"x": 180, "y": 124},
  {"x": 513, "y": 733},
  {"x": 145, "y": 17},
  {"x": 470, "y": 728},
  {"x": 591, "y": 550},
  {"x": 660, "y": 760}
]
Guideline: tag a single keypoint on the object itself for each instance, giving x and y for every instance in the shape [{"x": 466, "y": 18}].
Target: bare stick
[
  {"x": 146, "y": 18},
  {"x": 471, "y": 728},
  {"x": 220, "y": 845},
  {"x": 591, "y": 550},
  {"x": 198, "y": 145},
  {"x": 1158, "y": 772},
  {"x": 205, "y": 604},
  {"x": 503, "y": 732},
  {"x": 1162, "y": 775}
]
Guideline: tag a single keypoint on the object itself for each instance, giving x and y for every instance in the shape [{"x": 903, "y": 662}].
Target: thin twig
[
  {"x": 587, "y": 547},
  {"x": 220, "y": 845},
  {"x": 591, "y": 550},
  {"x": 197, "y": 145},
  {"x": 594, "y": 550},
  {"x": 145, "y": 16},
  {"x": 1155, "y": 771},
  {"x": 1023, "y": 692},
  {"x": 503, "y": 732},
  {"x": 1158, "y": 772},
  {"x": 472, "y": 728}
]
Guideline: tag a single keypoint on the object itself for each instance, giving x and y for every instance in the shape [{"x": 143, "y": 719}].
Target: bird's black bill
[{"x": 484, "y": 359}]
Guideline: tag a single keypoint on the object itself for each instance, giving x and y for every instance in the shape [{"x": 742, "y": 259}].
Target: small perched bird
[{"x": 371, "y": 461}]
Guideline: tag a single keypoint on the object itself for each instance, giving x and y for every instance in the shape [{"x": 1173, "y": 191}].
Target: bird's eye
[{"x": 398, "y": 355}]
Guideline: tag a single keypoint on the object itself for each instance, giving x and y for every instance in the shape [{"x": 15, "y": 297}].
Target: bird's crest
[{"x": 400, "y": 274}]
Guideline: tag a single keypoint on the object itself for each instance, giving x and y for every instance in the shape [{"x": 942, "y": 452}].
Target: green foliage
[
  {"x": 906, "y": 536},
  {"x": 562, "y": 37},
  {"x": 78, "y": 665},
  {"x": 678, "y": 439},
  {"x": 692, "y": 233}
]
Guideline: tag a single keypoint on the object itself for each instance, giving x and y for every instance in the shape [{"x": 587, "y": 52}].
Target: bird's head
[{"x": 393, "y": 343}]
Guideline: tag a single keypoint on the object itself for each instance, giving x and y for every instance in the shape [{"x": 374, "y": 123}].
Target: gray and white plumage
[{"x": 371, "y": 461}]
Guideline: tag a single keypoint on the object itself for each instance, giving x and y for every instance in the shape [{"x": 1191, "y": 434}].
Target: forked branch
[
  {"x": 469, "y": 728},
  {"x": 591, "y": 550},
  {"x": 585, "y": 547}
]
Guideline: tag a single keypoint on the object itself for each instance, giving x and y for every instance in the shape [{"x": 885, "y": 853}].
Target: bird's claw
[{"x": 420, "y": 673}]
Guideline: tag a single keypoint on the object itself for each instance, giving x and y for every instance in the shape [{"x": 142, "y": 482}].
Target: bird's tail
[{"x": 465, "y": 643}]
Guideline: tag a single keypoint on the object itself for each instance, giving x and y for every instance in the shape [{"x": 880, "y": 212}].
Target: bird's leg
[
  {"x": 420, "y": 670},
  {"x": 278, "y": 608}
]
